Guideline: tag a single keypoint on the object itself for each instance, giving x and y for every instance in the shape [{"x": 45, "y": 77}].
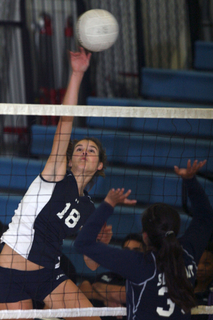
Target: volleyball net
[{"x": 142, "y": 145}]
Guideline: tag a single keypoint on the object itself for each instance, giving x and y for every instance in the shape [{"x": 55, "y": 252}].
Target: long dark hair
[{"x": 162, "y": 223}]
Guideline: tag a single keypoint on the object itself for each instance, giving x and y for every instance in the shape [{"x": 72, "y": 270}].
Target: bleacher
[
  {"x": 141, "y": 154},
  {"x": 203, "y": 56}
]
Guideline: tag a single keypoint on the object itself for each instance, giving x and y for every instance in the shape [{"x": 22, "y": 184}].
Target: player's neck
[{"x": 82, "y": 181}]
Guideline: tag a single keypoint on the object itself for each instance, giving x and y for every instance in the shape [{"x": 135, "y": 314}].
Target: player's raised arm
[
  {"x": 200, "y": 228},
  {"x": 190, "y": 171},
  {"x": 55, "y": 167}
]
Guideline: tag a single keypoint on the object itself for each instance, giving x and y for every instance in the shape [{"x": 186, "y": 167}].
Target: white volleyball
[{"x": 97, "y": 30}]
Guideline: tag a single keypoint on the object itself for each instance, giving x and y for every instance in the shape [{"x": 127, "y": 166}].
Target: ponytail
[{"x": 162, "y": 223}]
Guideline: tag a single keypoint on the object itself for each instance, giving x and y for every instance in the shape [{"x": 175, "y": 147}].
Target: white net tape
[
  {"x": 62, "y": 313},
  {"x": 202, "y": 310},
  {"x": 83, "y": 312},
  {"x": 106, "y": 111}
]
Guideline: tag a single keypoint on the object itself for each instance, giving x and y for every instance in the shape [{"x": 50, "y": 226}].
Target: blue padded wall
[
  {"x": 203, "y": 55},
  {"x": 194, "y": 86}
]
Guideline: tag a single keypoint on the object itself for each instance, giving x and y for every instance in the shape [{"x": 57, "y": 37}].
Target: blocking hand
[
  {"x": 191, "y": 169},
  {"x": 118, "y": 196}
]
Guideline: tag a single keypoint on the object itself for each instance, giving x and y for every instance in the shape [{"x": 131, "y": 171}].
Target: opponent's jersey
[
  {"x": 48, "y": 213},
  {"x": 149, "y": 298},
  {"x": 146, "y": 291}
]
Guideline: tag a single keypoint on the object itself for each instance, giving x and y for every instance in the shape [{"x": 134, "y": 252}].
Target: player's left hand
[
  {"x": 118, "y": 196},
  {"x": 190, "y": 171}
]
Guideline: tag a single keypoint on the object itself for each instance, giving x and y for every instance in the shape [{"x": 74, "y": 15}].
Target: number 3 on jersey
[
  {"x": 161, "y": 311},
  {"x": 72, "y": 218}
]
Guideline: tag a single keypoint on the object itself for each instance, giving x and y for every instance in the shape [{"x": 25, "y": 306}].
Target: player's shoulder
[
  {"x": 69, "y": 179},
  {"x": 69, "y": 175}
]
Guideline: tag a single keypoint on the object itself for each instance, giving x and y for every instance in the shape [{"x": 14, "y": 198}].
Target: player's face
[
  {"x": 85, "y": 157},
  {"x": 205, "y": 267},
  {"x": 133, "y": 245}
]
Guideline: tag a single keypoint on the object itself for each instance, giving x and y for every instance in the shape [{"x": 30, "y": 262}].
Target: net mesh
[
  {"x": 142, "y": 147},
  {"x": 142, "y": 143}
]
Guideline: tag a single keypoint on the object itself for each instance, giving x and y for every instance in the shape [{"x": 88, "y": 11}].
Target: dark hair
[
  {"x": 162, "y": 223},
  {"x": 102, "y": 156},
  {"x": 133, "y": 236}
]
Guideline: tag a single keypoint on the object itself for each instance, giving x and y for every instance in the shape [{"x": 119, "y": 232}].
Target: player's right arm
[
  {"x": 56, "y": 165},
  {"x": 200, "y": 229}
]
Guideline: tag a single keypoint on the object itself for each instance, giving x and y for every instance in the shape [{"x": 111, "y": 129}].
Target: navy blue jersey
[
  {"x": 48, "y": 213},
  {"x": 147, "y": 296}
]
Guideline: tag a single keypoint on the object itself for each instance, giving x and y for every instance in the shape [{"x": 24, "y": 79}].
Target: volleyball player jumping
[
  {"x": 55, "y": 206},
  {"x": 160, "y": 281}
]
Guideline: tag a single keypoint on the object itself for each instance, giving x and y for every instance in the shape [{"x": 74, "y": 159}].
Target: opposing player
[
  {"x": 159, "y": 281},
  {"x": 108, "y": 289},
  {"x": 55, "y": 206}
]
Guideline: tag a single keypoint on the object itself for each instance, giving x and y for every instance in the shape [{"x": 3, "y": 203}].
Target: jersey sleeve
[
  {"x": 127, "y": 263},
  {"x": 200, "y": 229}
]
